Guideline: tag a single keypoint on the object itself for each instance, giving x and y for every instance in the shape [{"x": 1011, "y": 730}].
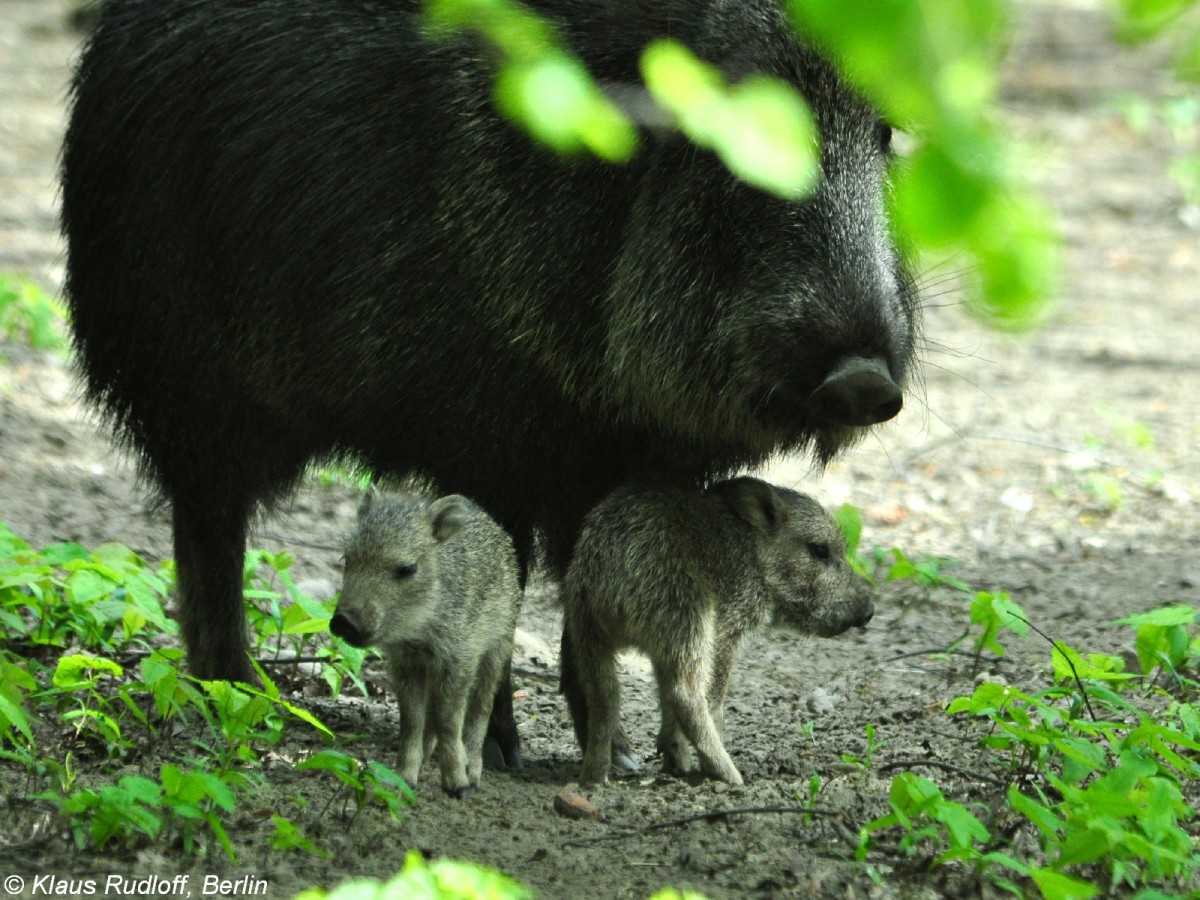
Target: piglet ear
[
  {"x": 370, "y": 495},
  {"x": 755, "y": 501},
  {"x": 447, "y": 516}
]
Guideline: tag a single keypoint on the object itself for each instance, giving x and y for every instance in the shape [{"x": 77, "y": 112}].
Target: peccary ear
[
  {"x": 753, "y": 500},
  {"x": 447, "y": 516},
  {"x": 370, "y": 495}
]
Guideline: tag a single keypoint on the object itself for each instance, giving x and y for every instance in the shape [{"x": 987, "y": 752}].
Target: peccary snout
[
  {"x": 867, "y": 615},
  {"x": 858, "y": 392},
  {"x": 346, "y": 627}
]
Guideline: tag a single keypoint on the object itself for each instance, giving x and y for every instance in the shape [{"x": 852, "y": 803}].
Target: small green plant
[
  {"x": 15, "y": 686},
  {"x": 106, "y": 598},
  {"x": 924, "y": 814},
  {"x": 123, "y": 812},
  {"x": 283, "y": 617},
  {"x": 89, "y": 710},
  {"x": 1167, "y": 644},
  {"x": 809, "y": 801},
  {"x": 366, "y": 783},
  {"x": 288, "y": 836},
  {"x": 849, "y": 520},
  {"x": 993, "y": 613},
  {"x": 138, "y": 809},
  {"x": 1103, "y": 488},
  {"x": 1097, "y": 779},
  {"x": 30, "y": 314},
  {"x": 863, "y": 763},
  {"x": 927, "y": 573}
]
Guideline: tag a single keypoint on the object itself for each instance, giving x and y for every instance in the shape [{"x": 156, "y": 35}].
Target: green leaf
[
  {"x": 1057, "y": 886},
  {"x": 87, "y": 586},
  {"x": 13, "y": 716},
  {"x": 1167, "y": 615},
  {"x": 760, "y": 128},
  {"x": 849, "y": 521},
  {"x": 76, "y": 670},
  {"x": 1049, "y": 824},
  {"x": 961, "y": 824}
]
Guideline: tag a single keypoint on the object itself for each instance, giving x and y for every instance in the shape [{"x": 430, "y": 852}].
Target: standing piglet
[
  {"x": 434, "y": 585},
  {"x": 684, "y": 575}
]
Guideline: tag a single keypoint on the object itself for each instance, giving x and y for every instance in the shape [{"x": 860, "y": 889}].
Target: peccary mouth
[{"x": 857, "y": 393}]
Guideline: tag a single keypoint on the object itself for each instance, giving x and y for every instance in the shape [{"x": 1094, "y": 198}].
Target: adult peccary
[
  {"x": 434, "y": 585},
  {"x": 298, "y": 228},
  {"x": 684, "y": 575}
]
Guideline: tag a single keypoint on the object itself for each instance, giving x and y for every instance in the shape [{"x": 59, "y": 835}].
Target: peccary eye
[
  {"x": 883, "y": 134},
  {"x": 819, "y": 551},
  {"x": 402, "y": 572}
]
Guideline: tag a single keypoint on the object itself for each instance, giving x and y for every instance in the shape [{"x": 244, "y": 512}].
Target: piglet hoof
[
  {"x": 727, "y": 774},
  {"x": 625, "y": 761},
  {"x": 462, "y": 792}
]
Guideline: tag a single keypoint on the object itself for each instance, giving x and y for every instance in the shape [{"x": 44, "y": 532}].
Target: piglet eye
[
  {"x": 883, "y": 134},
  {"x": 819, "y": 551},
  {"x": 402, "y": 572}
]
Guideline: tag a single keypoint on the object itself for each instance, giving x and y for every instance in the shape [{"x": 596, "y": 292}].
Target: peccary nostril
[
  {"x": 868, "y": 614},
  {"x": 858, "y": 392},
  {"x": 344, "y": 626}
]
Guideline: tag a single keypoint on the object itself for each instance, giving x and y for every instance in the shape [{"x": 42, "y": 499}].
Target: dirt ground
[{"x": 1018, "y": 457}]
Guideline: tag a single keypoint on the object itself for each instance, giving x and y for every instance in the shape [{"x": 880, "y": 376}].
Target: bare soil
[{"x": 1015, "y": 457}]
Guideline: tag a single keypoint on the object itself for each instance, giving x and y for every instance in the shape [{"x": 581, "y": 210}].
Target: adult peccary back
[
  {"x": 684, "y": 575},
  {"x": 433, "y": 583},
  {"x": 298, "y": 228}
]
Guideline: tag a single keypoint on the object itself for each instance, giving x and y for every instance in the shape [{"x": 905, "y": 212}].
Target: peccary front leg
[
  {"x": 411, "y": 683},
  {"x": 684, "y": 691},
  {"x": 491, "y": 669},
  {"x": 450, "y": 698},
  {"x": 210, "y": 549}
]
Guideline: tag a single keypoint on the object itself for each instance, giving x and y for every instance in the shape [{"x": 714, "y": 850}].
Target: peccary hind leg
[
  {"x": 683, "y": 693},
  {"x": 574, "y": 693}
]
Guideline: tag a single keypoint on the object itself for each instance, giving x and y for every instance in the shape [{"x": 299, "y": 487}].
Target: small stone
[
  {"x": 819, "y": 702},
  {"x": 570, "y": 805}
]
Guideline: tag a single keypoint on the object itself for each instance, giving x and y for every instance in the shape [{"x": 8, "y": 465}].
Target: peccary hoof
[
  {"x": 494, "y": 757},
  {"x": 625, "y": 760},
  {"x": 460, "y": 793}
]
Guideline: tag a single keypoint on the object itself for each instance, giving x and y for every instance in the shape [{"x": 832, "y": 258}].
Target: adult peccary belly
[{"x": 298, "y": 228}]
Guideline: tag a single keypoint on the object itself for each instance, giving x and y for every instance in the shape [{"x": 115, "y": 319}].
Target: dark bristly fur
[{"x": 298, "y": 228}]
